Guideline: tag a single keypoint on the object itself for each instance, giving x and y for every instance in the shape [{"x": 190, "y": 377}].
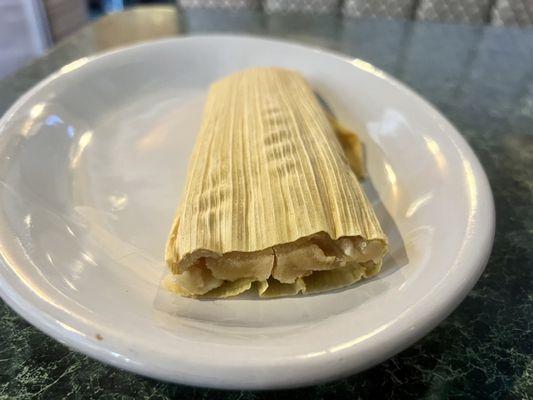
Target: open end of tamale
[
  {"x": 308, "y": 265},
  {"x": 272, "y": 200}
]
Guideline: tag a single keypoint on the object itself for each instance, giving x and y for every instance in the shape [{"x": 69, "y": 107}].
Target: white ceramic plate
[{"x": 93, "y": 160}]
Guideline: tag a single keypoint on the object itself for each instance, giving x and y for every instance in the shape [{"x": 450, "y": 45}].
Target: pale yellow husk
[{"x": 272, "y": 201}]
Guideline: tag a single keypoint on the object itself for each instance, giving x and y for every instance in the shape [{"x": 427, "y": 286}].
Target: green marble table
[{"x": 481, "y": 78}]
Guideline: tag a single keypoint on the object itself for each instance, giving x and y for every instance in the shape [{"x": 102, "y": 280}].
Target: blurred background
[{"x": 29, "y": 27}]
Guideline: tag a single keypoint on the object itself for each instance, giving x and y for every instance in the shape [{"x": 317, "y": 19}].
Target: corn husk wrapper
[{"x": 272, "y": 201}]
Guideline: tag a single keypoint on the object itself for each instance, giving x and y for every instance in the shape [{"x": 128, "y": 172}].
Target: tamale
[{"x": 272, "y": 201}]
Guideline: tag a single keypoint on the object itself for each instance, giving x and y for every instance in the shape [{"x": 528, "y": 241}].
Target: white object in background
[
  {"x": 92, "y": 163},
  {"x": 25, "y": 25}
]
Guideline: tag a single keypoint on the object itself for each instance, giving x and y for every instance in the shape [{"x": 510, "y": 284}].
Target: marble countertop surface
[{"x": 481, "y": 78}]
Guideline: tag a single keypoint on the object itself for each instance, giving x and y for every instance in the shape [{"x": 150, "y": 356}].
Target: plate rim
[{"x": 301, "y": 374}]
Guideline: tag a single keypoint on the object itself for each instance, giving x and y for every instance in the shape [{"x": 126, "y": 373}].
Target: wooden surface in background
[{"x": 65, "y": 16}]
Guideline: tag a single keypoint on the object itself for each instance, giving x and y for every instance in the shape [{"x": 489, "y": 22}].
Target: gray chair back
[
  {"x": 512, "y": 12},
  {"x": 497, "y": 12},
  {"x": 389, "y": 9},
  {"x": 458, "y": 11}
]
